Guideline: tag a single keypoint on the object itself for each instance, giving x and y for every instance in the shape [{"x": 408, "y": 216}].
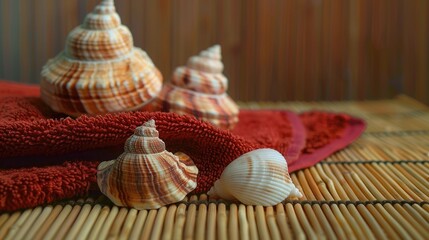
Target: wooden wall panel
[{"x": 273, "y": 50}]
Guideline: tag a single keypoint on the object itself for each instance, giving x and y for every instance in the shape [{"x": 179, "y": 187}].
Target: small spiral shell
[
  {"x": 199, "y": 89},
  {"x": 146, "y": 176}
]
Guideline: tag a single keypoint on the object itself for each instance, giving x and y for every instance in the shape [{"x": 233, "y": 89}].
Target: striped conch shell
[
  {"x": 146, "y": 176},
  {"x": 100, "y": 70},
  {"x": 199, "y": 89},
  {"x": 259, "y": 177}
]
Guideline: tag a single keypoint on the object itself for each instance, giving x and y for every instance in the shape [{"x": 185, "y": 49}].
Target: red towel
[{"x": 46, "y": 156}]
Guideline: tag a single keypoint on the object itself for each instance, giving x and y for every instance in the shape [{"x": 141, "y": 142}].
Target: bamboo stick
[
  {"x": 396, "y": 227},
  {"x": 203, "y": 197},
  {"x": 252, "y": 223},
  {"x": 41, "y": 232},
  {"x": 313, "y": 186},
  {"x": 104, "y": 230},
  {"x": 39, "y": 222},
  {"x": 390, "y": 232},
  {"x": 115, "y": 228},
  {"x": 128, "y": 224},
  {"x": 200, "y": 225},
  {"x": 318, "y": 230},
  {"x": 3, "y": 218},
  {"x": 271, "y": 222},
  {"x": 327, "y": 228},
  {"x": 365, "y": 229},
  {"x": 416, "y": 216},
  {"x": 331, "y": 193},
  {"x": 158, "y": 223},
  {"x": 410, "y": 187},
  {"x": 221, "y": 222},
  {"x": 68, "y": 222},
  {"x": 398, "y": 217},
  {"x": 242, "y": 223},
  {"x": 426, "y": 207},
  {"x": 138, "y": 225},
  {"x": 419, "y": 170},
  {"x": 167, "y": 232},
  {"x": 282, "y": 222},
  {"x": 101, "y": 218},
  {"x": 343, "y": 223},
  {"x": 302, "y": 218},
  {"x": 78, "y": 223},
  {"x": 190, "y": 222},
  {"x": 261, "y": 223},
  {"x": 350, "y": 220},
  {"x": 307, "y": 193},
  {"x": 416, "y": 225},
  {"x": 10, "y": 221},
  {"x": 179, "y": 222},
  {"x": 17, "y": 226},
  {"x": 7, "y": 226},
  {"x": 298, "y": 232},
  {"x": 340, "y": 175},
  {"x": 375, "y": 227},
  {"x": 148, "y": 225},
  {"x": 422, "y": 212},
  {"x": 211, "y": 222},
  {"x": 28, "y": 223},
  {"x": 89, "y": 222},
  {"x": 53, "y": 229},
  {"x": 379, "y": 192},
  {"x": 419, "y": 182},
  {"x": 321, "y": 185},
  {"x": 233, "y": 232},
  {"x": 339, "y": 232},
  {"x": 354, "y": 189},
  {"x": 394, "y": 189},
  {"x": 362, "y": 186},
  {"x": 339, "y": 188},
  {"x": 298, "y": 185}
]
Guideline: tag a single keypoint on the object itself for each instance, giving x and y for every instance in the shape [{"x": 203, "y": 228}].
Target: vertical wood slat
[{"x": 272, "y": 50}]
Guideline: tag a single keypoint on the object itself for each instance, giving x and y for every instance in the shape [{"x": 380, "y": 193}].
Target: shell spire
[
  {"x": 208, "y": 60},
  {"x": 145, "y": 140},
  {"x": 259, "y": 177},
  {"x": 100, "y": 70},
  {"x": 146, "y": 176},
  {"x": 104, "y": 16},
  {"x": 199, "y": 89}
]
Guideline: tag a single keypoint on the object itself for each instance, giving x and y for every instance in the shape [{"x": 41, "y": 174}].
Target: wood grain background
[{"x": 272, "y": 50}]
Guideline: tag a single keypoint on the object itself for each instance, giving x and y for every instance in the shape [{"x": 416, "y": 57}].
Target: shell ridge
[
  {"x": 198, "y": 93},
  {"x": 89, "y": 61}
]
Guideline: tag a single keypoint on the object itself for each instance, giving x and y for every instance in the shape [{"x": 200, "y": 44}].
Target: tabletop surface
[{"x": 377, "y": 188}]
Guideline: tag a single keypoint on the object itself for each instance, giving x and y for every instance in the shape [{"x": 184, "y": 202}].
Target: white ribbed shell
[{"x": 259, "y": 177}]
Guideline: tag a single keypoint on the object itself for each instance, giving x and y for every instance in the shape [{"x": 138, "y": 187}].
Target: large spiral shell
[
  {"x": 100, "y": 70},
  {"x": 199, "y": 89},
  {"x": 146, "y": 176}
]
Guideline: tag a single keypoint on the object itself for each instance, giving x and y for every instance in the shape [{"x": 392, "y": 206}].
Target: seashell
[
  {"x": 146, "y": 176},
  {"x": 100, "y": 70},
  {"x": 259, "y": 177},
  {"x": 199, "y": 89}
]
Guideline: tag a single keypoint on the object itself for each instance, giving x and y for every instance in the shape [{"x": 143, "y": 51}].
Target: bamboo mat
[{"x": 377, "y": 188}]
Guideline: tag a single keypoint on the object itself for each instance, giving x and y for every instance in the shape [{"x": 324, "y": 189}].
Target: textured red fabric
[
  {"x": 32, "y": 135},
  {"x": 29, "y": 187},
  {"x": 281, "y": 130}
]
